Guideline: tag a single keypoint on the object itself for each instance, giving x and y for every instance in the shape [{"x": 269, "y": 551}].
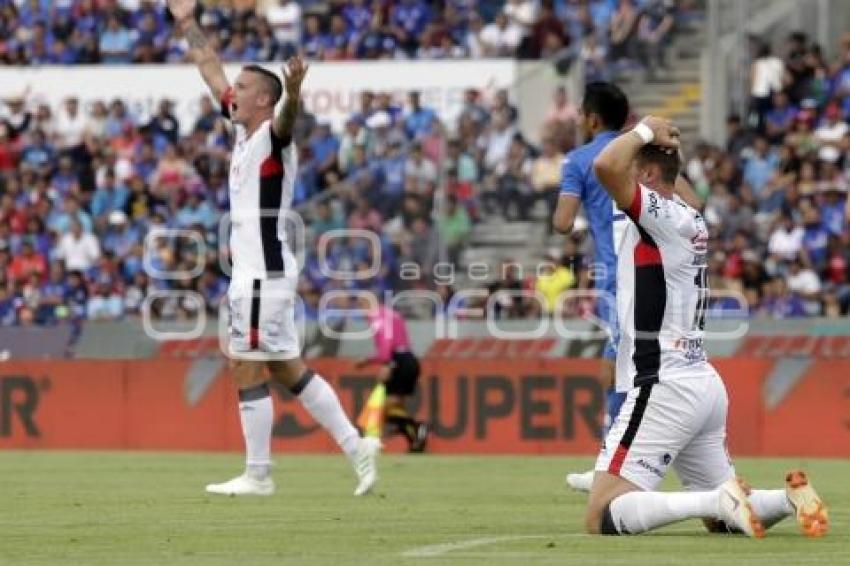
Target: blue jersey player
[{"x": 604, "y": 112}]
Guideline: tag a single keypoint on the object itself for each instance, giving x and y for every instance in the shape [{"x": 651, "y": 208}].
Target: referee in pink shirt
[{"x": 399, "y": 370}]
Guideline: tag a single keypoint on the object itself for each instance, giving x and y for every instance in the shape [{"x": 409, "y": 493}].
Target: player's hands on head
[
  {"x": 665, "y": 133},
  {"x": 182, "y": 10},
  {"x": 293, "y": 75}
]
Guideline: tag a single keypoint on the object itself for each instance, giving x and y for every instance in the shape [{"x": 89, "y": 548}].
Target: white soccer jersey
[
  {"x": 662, "y": 291},
  {"x": 262, "y": 180},
  {"x": 620, "y": 221}
]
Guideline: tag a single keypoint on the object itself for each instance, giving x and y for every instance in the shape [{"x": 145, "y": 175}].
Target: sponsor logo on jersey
[
  {"x": 653, "y": 469},
  {"x": 692, "y": 348},
  {"x": 700, "y": 240},
  {"x": 700, "y": 259},
  {"x": 653, "y": 204}
]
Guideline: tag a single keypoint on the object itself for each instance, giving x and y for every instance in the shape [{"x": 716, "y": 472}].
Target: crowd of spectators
[
  {"x": 384, "y": 173},
  {"x": 776, "y": 198},
  {"x": 609, "y": 35},
  {"x": 82, "y": 185},
  {"x": 777, "y": 193}
]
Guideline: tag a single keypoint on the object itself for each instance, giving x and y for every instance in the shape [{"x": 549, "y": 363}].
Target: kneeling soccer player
[{"x": 676, "y": 404}]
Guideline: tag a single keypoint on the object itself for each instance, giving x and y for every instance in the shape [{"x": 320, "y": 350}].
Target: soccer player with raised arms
[
  {"x": 262, "y": 332},
  {"x": 675, "y": 410}
]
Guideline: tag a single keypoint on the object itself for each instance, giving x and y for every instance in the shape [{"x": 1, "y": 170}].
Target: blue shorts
[{"x": 607, "y": 312}]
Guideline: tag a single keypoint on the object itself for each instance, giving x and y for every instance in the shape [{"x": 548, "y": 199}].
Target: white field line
[{"x": 434, "y": 550}]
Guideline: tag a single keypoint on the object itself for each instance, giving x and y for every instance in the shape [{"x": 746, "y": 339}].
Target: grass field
[{"x": 135, "y": 508}]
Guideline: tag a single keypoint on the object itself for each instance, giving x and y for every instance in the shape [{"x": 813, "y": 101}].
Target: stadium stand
[
  {"x": 68, "y": 32},
  {"x": 80, "y": 187}
]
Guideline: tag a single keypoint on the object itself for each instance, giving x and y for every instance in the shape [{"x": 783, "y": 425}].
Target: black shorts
[{"x": 404, "y": 374}]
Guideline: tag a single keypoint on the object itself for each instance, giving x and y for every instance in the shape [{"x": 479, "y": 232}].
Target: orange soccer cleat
[{"x": 811, "y": 512}]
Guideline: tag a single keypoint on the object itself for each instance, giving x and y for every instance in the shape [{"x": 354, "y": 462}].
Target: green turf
[{"x": 134, "y": 508}]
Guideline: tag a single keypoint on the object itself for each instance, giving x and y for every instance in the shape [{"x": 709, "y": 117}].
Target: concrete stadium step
[
  {"x": 662, "y": 89},
  {"x": 493, "y": 257},
  {"x": 690, "y": 49},
  {"x": 679, "y": 101},
  {"x": 685, "y": 74},
  {"x": 490, "y": 253},
  {"x": 506, "y": 233},
  {"x": 678, "y": 109},
  {"x": 496, "y": 241},
  {"x": 647, "y": 100},
  {"x": 679, "y": 66},
  {"x": 464, "y": 278}
]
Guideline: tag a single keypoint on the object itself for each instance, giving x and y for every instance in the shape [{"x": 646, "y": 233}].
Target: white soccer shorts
[
  {"x": 679, "y": 423},
  {"x": 262, "y": 319}
]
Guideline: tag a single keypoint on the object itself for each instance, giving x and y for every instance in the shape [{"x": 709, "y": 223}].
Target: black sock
[
  {"x": 607, "y": 526},
  {"x": 403, "y": 421}
]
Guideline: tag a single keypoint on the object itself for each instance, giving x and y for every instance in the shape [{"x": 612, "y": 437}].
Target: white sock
[
  {"x": 256, "y": 412},
  {"x": 321, "y": 401},
  {"x": 641, "y": 511},
  {"x": 771, "y": 505}
]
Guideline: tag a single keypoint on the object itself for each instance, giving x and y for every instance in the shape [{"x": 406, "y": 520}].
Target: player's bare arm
[
  {"x": 203, "y": 55},
  {"x": 614, "y": 166},
  {"x": 565, "y": 213},
  {"x": 686, "y": 192},
  {"x": 293, "y": 75}
]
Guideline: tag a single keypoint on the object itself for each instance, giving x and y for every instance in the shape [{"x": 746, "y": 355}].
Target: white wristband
[{"x": 644, "y": 132}]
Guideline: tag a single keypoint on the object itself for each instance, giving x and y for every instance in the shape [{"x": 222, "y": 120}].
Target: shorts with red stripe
[
  {"x": 679, "y": 422},
  {"x": 262, "y": 319}
]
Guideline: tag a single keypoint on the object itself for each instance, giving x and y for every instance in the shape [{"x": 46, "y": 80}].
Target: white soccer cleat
[
  {"x": 365, "y": 465},
  {"x": 736, "y": 511},
  {"x": 810, "y": 510},
  {"x": 243, "y": 485},
  {"x": 581, "y": 482}
]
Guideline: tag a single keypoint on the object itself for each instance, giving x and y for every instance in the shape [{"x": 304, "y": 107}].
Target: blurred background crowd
[
  {"x": 610, "y": 35},
  {"x": 80, "y": 187},
  {"x": 777, "y": 193}
]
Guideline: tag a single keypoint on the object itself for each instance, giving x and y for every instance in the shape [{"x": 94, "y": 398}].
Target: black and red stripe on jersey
[
  {"x": 272, "y": 172},
  {"x": 261, "y": 190},
  {"x": 651, "y": 295},
  {"x": 226, "y": 102}
]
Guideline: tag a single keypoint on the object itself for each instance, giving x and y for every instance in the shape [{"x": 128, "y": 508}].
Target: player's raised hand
[
  {"x": 664, "y": 132},
  {"x": 293, "y": 75},
  {"x": 182, "y": 10}
]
